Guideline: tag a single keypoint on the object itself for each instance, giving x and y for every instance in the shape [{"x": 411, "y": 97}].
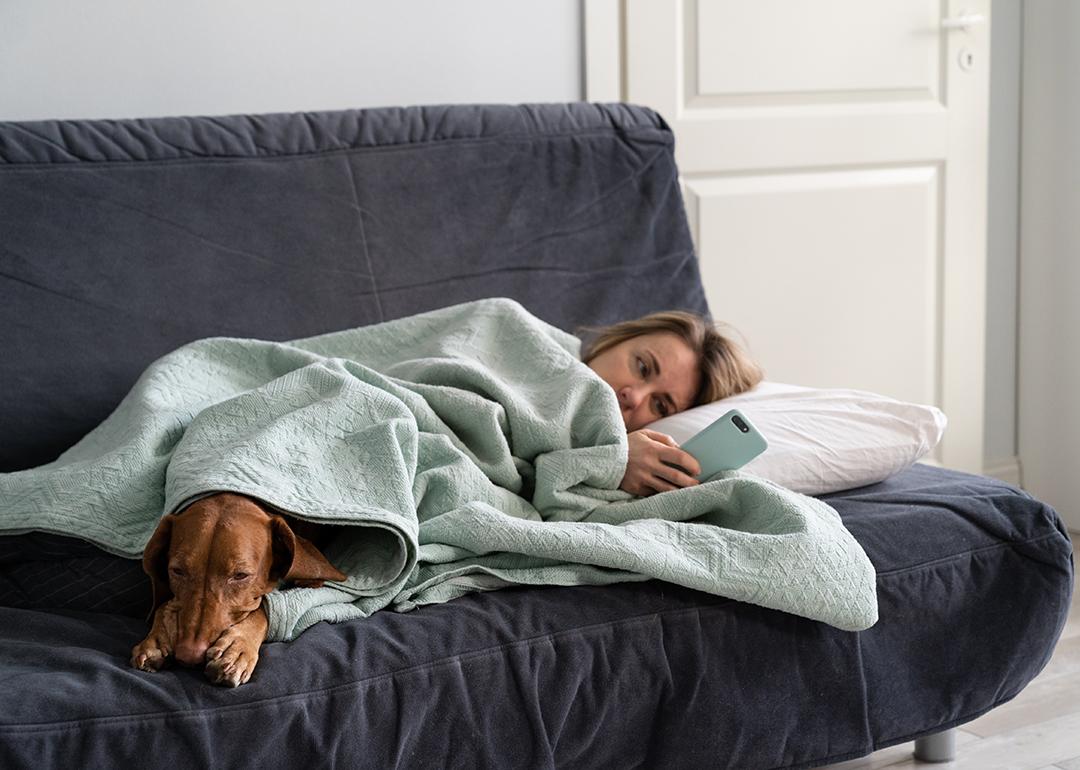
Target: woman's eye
[
  {"x": 661, "y": 408},
  {"x": 643, "y": 368}
]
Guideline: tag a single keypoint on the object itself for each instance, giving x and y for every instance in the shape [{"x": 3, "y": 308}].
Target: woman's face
[{"x": 654, "y": 375}]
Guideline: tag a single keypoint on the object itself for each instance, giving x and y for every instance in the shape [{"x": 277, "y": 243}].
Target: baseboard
[{"x": 1007, "y": 470}]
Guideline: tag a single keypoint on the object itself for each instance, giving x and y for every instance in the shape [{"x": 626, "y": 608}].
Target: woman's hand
[{"x": 646, "y": 473}]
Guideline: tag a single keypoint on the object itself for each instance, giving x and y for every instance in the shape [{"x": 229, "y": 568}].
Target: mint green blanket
[{"x": 467, "y": 449}]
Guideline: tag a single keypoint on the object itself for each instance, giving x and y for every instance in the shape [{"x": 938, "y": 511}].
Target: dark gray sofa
[{"x": 121, "y": 240}]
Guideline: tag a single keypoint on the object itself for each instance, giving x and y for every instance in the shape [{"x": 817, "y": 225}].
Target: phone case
[{"x": 724, "y": 446}]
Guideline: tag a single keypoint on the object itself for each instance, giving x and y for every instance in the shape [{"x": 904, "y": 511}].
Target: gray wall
[
  {"x": 145, "y": 58},
  {"x": 1003, "y": 207},
  {"x": 1049, "y": 360},
  {"x": 149, "y": 58}
]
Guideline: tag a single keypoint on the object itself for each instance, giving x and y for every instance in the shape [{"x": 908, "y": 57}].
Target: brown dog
[{"x": 211, "y": 564}]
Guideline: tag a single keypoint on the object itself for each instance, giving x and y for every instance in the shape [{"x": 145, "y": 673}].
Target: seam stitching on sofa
[
  {"x": 363, "y": 237},
  {"x": 8, "y": 165},
  {"x": 376, "y": 679},
  {"x": 615, "y": 271},
  {"x": 973, "y": 551}
]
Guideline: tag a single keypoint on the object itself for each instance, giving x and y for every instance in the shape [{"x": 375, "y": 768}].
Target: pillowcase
[{"x": 822, "y": 440}]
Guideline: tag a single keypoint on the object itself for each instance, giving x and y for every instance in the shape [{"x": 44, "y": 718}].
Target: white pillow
[{"x": 822, "y": 440}]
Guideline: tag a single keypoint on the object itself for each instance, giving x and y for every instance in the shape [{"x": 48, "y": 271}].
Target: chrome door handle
[{"x": 963, "y": 21}]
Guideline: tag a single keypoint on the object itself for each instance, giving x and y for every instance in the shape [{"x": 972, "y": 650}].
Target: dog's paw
[
  {"x": 151, "y": 654},
  {"x": 232, "y": 659}
]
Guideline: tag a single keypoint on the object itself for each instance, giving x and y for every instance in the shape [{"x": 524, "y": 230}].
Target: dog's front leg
[
  {"x": 233, "y": 656},
  {"x": 153, "y": 652}
]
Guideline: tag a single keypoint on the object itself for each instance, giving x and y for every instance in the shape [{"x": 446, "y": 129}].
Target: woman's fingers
[
  {"x": 676, "y": 477},
  {"x": 676, "y": 468},
  {"x": 670, "y": 479},
  {"x": 671, "y": 453},
  {"x": 685, "y": 460},
  {"x": 663, "y": 485},
  {"x": 658, "y": 436},
  {"x": 650, "y": 464}
]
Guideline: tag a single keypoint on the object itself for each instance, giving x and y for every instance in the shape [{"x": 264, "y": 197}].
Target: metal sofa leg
[{"x": 940, "y": 747}]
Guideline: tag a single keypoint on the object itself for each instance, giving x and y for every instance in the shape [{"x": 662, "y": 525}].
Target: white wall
[
  {"x": 1049, "y": 391},
  {"x": 149, "y": 58}
]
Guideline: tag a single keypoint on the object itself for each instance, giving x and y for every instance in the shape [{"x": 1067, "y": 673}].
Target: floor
[{"x": 1039, "y": 729}]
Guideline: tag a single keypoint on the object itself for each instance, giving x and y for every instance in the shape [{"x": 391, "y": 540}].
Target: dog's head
[{"x": 218, "y": 558}]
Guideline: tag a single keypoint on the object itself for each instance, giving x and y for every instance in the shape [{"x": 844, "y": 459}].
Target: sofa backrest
[{"x": 121, "y": 240}]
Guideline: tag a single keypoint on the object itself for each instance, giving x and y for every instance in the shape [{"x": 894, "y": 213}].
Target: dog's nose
[{"x": 191, "y": 652}]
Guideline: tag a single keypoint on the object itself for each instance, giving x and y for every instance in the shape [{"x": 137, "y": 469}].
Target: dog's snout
[{"x": 191, "y": 652}]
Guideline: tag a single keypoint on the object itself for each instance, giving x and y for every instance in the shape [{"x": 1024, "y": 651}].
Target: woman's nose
[{"x": 629, "y": 398}]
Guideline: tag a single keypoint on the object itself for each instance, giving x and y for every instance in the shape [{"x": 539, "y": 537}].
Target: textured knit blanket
[{"x": 466, "y": 449}]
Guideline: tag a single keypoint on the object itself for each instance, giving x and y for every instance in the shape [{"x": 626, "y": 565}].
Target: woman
[{"x": 658, "y": 365}]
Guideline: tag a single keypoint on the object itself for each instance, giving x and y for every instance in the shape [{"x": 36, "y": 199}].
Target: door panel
[
  {"x": 855, "y": 53},
  {"x": 874, "y": 330}
]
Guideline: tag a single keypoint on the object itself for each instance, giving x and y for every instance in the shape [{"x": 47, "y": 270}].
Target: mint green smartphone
[{"x": 725, "y": 445}]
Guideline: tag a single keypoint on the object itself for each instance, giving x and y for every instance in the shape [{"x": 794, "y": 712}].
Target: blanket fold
[{"x": 463, "y": 449}]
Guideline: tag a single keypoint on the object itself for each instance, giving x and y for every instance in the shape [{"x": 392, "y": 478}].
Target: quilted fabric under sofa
[{"x": 121, "y": 240}]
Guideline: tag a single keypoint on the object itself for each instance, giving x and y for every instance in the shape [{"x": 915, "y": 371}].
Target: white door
[{"x": 833, "y": 159}]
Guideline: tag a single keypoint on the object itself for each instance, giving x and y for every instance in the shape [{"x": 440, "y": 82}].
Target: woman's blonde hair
[{"x": 726, "y": 368}]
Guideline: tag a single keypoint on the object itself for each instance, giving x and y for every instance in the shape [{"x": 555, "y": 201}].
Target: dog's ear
[
  {"x": 297, "y": 560},
  {"x": 155, "y": 561}
]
